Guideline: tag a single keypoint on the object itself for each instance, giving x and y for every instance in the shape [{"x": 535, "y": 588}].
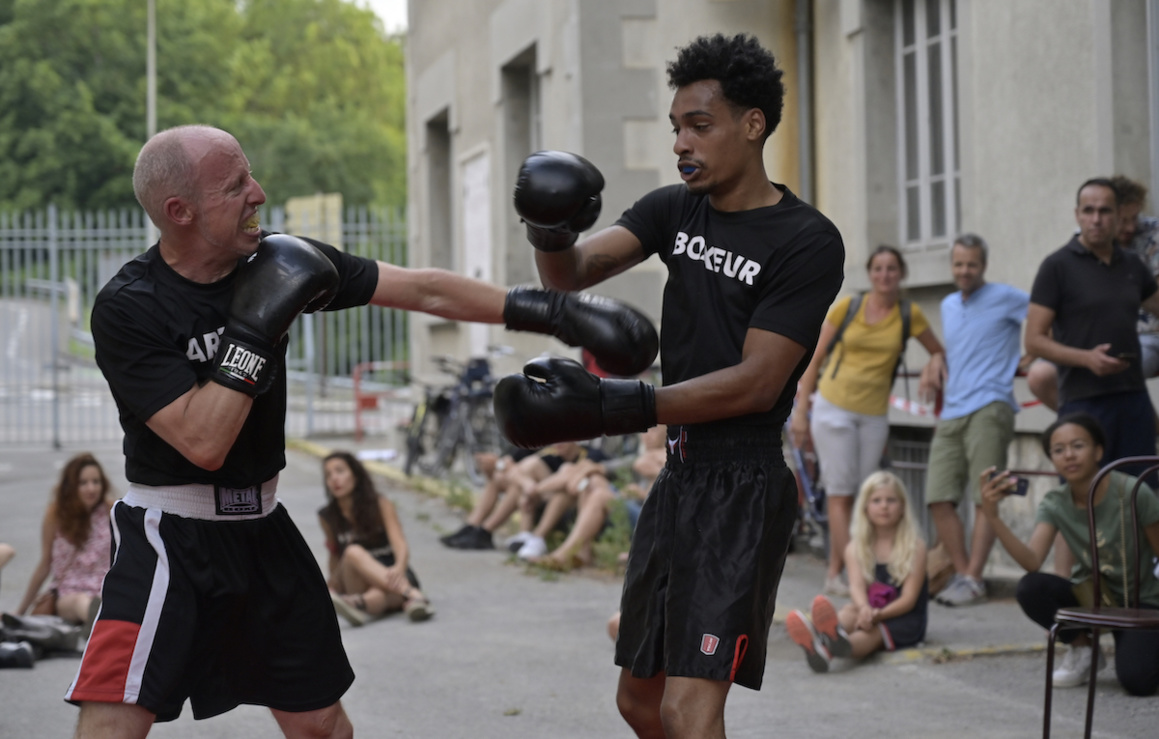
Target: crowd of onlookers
[{"x": 1090, "y": 339}]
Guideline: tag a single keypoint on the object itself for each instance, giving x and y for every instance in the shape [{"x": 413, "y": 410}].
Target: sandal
[
  {"x": 348, "y": 609},
  {"x": 418, "y": 608}
]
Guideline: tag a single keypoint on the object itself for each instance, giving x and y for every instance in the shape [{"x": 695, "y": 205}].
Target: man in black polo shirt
[{"x": 1083, "y": 310}]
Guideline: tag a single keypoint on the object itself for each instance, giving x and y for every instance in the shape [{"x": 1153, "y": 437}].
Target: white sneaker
[
  {"x": 535, "y": 546},
  {"x": 1076, "y": 667},
  {"x": 963, "y": 590},
  {"x": 513, "y": 543}
]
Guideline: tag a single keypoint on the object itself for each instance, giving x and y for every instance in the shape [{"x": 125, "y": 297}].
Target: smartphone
[
  {"x": 1127, "y": 356},
  {"x": 1021, "y": 485}
]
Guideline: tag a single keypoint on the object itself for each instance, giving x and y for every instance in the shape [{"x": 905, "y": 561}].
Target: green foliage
[
  {"x": 313, "y": 89},
  {"x": 616, "y": 537}
]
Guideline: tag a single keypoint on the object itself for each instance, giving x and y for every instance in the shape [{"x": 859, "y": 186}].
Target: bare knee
[
  {"x": 325, "y": 723},
  {"x": 638, "y": 701},
  {"x": 98, "y": 720}
]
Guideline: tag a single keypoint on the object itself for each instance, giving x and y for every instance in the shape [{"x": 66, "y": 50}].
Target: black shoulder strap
[{"x": 854, "y": 306}]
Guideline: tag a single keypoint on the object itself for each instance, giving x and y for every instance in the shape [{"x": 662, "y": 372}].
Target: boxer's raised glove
[
  {"x": 558, "y": 400},
  {"x": 284, "y": 276},
  {"x": 557, "y": 195},
  {"x": 621, "y": 338}
]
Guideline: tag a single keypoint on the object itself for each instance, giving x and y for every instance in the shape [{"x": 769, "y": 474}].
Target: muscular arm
[
  {"x": 602, "y": 255},
  {"x": 1039, "y": 343},
  {"x": 752, "y": 386},
  {"x": 439, "y": 293},
  {"x": 203, "y": 423}
]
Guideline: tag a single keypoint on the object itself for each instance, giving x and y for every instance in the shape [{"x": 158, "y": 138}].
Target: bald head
[{"x": 167, "y": 164}]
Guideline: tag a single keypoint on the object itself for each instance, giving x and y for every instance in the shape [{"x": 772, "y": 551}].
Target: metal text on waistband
[{"x": 237, "y": 501}]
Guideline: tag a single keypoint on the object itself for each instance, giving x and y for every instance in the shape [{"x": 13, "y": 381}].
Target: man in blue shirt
[{"x": 981, "y": 325}]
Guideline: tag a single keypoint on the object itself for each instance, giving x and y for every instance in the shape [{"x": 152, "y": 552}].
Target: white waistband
[{"x": 206, "y": 502}]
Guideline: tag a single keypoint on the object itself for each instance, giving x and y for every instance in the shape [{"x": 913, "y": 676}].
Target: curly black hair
[{"x": 747, "y": 73}]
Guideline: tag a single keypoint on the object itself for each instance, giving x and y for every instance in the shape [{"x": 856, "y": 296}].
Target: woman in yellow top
[{"x": 846, "y": 422}]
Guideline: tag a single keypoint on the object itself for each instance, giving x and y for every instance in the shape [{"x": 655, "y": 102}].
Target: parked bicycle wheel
[{"x": 423, "y": 433}]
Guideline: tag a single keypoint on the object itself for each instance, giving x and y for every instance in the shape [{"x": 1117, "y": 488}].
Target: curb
[
  {"x": 422, "y": 483},
  {"x": 948, "y": 653}
]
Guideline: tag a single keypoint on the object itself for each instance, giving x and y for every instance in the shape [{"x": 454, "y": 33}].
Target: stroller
[{"x": 812, "y": 530}]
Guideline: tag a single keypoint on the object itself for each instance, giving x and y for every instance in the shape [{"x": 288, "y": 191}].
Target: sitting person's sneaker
[
  {"x": 835, "y": 586},
  {"x": 1075, "y": 669},
  {"x": 534, "y": 547},
  {"x": 962, "y": 590},
  {"x": 802, "y": 632},
  {"x": 475, "y": 537},
  {"x": 825, "y": 620},
  {"x": 463, "y": 531},
  {"x": 515, "y": 543}
]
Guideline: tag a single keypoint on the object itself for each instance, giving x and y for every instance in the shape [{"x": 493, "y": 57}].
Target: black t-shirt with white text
[
  {"x": 776, "y": 268},
  {"x": 156, "y": 334}
]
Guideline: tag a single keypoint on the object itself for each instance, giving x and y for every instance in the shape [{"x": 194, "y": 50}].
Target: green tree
[{"x": 313, "y": 89}]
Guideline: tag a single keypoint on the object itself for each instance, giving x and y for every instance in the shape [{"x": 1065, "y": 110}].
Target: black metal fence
[{"x": 53, "y": 263}]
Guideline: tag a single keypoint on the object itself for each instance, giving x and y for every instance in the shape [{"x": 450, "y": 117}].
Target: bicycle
[{"x": 454, "y": 418}]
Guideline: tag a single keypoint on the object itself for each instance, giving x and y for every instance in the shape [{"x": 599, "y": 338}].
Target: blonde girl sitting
[{"x": 886, "y": 562}]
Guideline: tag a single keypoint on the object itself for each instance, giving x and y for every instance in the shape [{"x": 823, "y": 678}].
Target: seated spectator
[
  {"x": 886, "y": 562},
  {"x": 369, "y": 574},
  {"x": 75, "y": 542},
  {"x": 585, "y": 486},
  {"x": 516, "y": 489},
  {"x": 546, "y": 503},
  {"x": 495, "y": 505},
  {"x": 594, "y": 496},
  {"x": 1075, "y": 444}
]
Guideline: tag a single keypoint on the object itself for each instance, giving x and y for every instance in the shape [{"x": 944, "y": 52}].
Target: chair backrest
[{"x": 1148, "y": 465}]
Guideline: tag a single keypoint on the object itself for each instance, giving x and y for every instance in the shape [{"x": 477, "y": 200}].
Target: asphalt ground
[{"x": 514, "y": 653}]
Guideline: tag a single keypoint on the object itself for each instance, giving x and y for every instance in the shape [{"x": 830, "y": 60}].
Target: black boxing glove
[
  {"x": 557, "y": 194},
  {"x": 283, "y": 277},
  {"x": 558, "y": 400},
  {"x": 621, "y": 338}
]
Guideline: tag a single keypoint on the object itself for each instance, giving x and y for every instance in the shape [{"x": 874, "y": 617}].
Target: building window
[{"x": 927, "y": 83}]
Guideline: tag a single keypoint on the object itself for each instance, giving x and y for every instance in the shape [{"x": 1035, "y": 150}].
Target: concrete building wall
[{"x": 497, "y": 79}]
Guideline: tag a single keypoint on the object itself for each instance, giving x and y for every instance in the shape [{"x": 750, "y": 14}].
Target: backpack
[{"x": 906, "y": 308}]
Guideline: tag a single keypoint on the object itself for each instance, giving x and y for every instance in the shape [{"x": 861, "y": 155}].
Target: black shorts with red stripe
[
  {"x": 217, "y": 612},
  {"x": 707, "y": 557}
]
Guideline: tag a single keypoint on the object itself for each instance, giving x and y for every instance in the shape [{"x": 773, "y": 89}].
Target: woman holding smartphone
[{"x": 1075, "y": 444}]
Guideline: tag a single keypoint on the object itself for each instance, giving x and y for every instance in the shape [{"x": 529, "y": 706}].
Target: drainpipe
[{"x": 804, "y": 29}]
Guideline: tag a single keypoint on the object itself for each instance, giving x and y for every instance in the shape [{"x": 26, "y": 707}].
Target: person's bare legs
[
  {"x": 557, "y": 505},
  {"x": 951, "y": 534},
  {"x": 590, "y": 519},
  {"x": 360, "y": 573},
  {"x": 639, "y": 700},
  {"x": 1042, "y": 380},
  {"x": 861, "y": 643},
  {"x": 840, "y": 509},
  {"x": 74, "y": 607},
  {"x": 693, "y": 708},
  {"x": 325, "y": 723},
  {"x": 981, "y": 542},
  {"x": 113, "y": 721}
]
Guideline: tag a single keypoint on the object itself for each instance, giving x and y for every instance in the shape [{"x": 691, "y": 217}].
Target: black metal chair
[{"x": 1099, "y": 616}]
